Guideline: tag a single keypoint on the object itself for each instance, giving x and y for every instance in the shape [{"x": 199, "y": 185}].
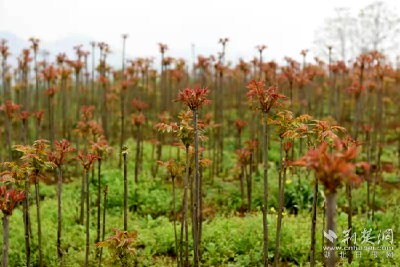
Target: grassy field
[{"x": 230, "y": 237}]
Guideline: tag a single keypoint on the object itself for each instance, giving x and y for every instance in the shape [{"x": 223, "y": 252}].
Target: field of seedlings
[{"x": 215, "y": 162}]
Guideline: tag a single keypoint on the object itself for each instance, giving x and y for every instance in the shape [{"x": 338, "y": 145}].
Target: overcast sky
[{"x": 285, "y": 26}]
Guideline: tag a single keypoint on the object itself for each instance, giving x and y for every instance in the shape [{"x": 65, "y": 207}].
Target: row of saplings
[{"x": 332, "y": 160}]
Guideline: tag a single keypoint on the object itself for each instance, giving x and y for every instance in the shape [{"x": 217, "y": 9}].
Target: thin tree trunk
[
  {"x": 197, "y": 189},
  {"x": 282, "y": 199},
  {"x": 249, "y": 183},
  {"x": 39, "y": 128},
  {"x": 322, "y": 231},
  {"x": 24, "y": 126},
  {"x": 182, "y": 229},
  {"x": 137, "y": 155},
  {"x": 36, "y": 82},
  {"x": 104, "y": 111},
  {"x": 27, "y": 222},
  {"x": 98, "y": 199},
  {"x": 349, "y": 186},
  {"x": 87, "y": 219},
  {"x": 51, "y": 123},
  {"x": 375, "y": 182},
  {"x": 59, "y": 249},
  {"x": 201, "y": 202},
  {"x": 265, "y": 208},
  {"x": 301, "y": 98},
  {"x": 122, "y": 124},
  {"x": 186, "y": 208},
  {"x": 125, "y": 193},
  {"x": 314, "y": 223},
  {"x": 82, "y": 211},
  {"x": 104, "y": 223},
  {"x": 221, "y": 121},
  {"x": 242, "y": 188},
  {"x": 331, "y": 225},
  {"x": 349, "y": 220},
  {"x": 280, "y": 208},
  {"x": 6, "y": 238},
  {"x": 64, "y": 109},
  {"x": 174, "y": 215},
  {"x": 39, "y": 223},
  {"x": 93, "y": 67},
  {"x": 77, "y": 96},
  {"x": 9, "y": 138},
  {"x": 368, "y": 173}
]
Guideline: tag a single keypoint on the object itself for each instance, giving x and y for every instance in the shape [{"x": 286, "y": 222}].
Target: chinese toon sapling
[
  {"x": 284, "y": 121},
  {"x": 185, "y": 132},
  {"x": 138, "y": 121},
  {"x": 251, "y": 146},
  {"x": 242, "y": 159},
  {"x": 83, "y": 130},
  {"x": 377, "y": 173},
  {"x": 124, "y": 85},
  {"x": 8, "y": 200},
  {"x": 23, "y": 67},
  {"x": 4, "y": 51},
  {"x": 174, "y": 171},
  {"x": 286, "y": 146},
  {"x": 60, "y": 156},
  {"x": 195, "y": 99},
  {"x": 50, "y": 74},
  {"x": 240, "y": 126},
  {"x": 333, "y": 169},
  {"x": 10, "y": 109},
  {"x": 35, "y": 47},
  {"x": 18, "y": 176},
  {"x": 100, "y": 148},
  {"x": 87, "y": 162},
  {"x": 163, "y": 49},
  {"x": 120, "y": 246},
  {"x": 65, "y": 73},
  {"x": 39, "y": 118},
  {"x": 125, "y": 152},
  {"x": 315, "y": 133},
  {"x": 50, "y": 92},
  {"x": 260, "y": 49},
  {"x": 267, "y": 98},
  {"x": 104, "y": 221},
  {"x": 35, "y": 157},
  {"x": 24, "y": 116}
]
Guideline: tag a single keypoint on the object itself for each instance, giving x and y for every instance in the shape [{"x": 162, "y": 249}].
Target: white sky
[{"x": 285, "y": 26}]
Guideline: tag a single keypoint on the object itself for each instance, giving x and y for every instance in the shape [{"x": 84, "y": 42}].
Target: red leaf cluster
[
  {"x": 8, "y": 199},
  {"x": 138, "y": 119},
  {"x": 50, "y": 74},
  {"x": 51, "y": 91},
  {"x": 240, "y": 124},
  {"x": 24, "y": 115},
  {"x": 86, "y": 160},
  {"x": 332, "y": 169},
  {"x": 163, "y": 48},
  {"x": 267, "y": 98},
  {"x": 194, "y": 98},
  {"x": 139, "y": 105},
  {"x": 10, "y": 108},
  {"x": 62, "y": 149},
  {"x": 101, "y": 147}
]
